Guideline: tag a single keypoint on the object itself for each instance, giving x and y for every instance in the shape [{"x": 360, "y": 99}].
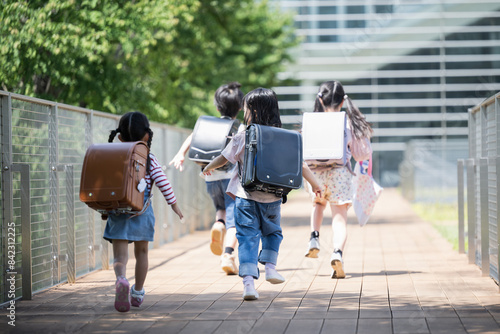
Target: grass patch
[{"x": 443, "y": 217}]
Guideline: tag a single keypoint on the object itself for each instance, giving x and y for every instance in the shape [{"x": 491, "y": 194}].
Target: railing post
[
  {"x": 497, "y": 166},
  {"x": 55, "y": 240},
  {"x": 471, "y": 210},
  {"x": 483, "y": 193},
  {"x": 461, "y": 228},
  {"x": 27, "y": 283},
  {"x": 7, "y": 187},
  {"x": 70, "y": 225}
]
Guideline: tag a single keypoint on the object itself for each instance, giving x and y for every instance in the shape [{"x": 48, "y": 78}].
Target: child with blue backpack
[{"x": 257, "y": 213}]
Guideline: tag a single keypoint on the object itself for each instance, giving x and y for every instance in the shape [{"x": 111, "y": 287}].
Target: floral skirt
[{"x": 336, "y": 186}]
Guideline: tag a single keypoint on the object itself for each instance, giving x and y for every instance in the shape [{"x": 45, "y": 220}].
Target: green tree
[{"x": 163, "y": 57}]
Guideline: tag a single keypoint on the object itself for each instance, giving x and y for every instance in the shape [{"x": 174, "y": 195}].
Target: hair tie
[
  {"x": 345, "y": 96},
  {"x": 320, "y": 94}
]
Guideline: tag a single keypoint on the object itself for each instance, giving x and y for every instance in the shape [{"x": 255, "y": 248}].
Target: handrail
[{"x": 490, "y": 100}]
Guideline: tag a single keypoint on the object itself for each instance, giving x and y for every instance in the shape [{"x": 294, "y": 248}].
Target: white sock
[
  {"x": 247, "y": 280},
  {"x": 138, "y": 292},
  {"x": 270, "y": 266}
]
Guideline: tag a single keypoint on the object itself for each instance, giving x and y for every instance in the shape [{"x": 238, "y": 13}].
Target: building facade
[{"x": 413, "y": 67}]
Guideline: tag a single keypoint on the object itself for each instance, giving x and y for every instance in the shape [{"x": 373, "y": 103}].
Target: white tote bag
[{"x": 366, "y": 191}]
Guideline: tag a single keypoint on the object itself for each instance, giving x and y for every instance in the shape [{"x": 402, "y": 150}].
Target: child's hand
[
  {"x": 177, "y": 210},
  {"x": 178, "y": 162},
  {"x": 219, "y": 161},
  {"x": 207, "y": 171},
  {"x": 317, "y": 190}
]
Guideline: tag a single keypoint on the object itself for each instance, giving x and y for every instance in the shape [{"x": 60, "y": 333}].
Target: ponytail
[
  {"x": 331, "y": 94},
  {"x": 359, "y": 126},
  {"x": 150, "y": 140},
  {"x": 113, "y": 134}
]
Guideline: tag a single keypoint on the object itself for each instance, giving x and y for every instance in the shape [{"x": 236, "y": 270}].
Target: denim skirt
[{"x": 125, "y": 227}]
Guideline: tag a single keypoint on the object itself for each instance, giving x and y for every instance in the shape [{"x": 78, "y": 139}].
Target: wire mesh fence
[
  {"x": 483, "y": 186},
  {"x": 428, "y": 171},
  {"x": 54, "y": 237}
]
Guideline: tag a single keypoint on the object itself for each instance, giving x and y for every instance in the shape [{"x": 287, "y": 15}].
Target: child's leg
[
  {"x": 230, "y": 241},
  {"x": 218, "y": 230},
  {"x": 216, "y": 193},
  {"x": 120, "y": 254},
  {"x": 231, "y": 238},
  {"x": 228, "y": 259},
  {"x": 248, "y": 234},
  {"x": 317, "y": 216},
  {"x": 141, "y": 264},
  {"x": 316, "y": 220},
  {"x": 272, "y": 236},
  {"x": 220, "y": 215},
  {"x": 339, "y": 226}
]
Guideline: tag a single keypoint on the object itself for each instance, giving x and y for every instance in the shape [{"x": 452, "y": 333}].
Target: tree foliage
[{"x": 163, "y": 57}]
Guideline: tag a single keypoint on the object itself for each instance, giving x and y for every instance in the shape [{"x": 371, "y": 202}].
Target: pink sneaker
[
  {"x": 136, "y": 297},
  {"x": 122, "y": 303}
]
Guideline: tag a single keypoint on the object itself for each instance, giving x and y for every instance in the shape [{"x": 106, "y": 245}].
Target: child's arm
[
  {"x": 159, "y": 178},
  {"x": 178, "y": 159},
  {"x": 309, "y": 176},
  {"x": 177, "y": 210},
  {"x": 219, "y": 161}
]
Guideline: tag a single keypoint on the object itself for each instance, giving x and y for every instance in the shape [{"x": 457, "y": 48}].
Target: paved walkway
[{"x": 402, "y": 277}]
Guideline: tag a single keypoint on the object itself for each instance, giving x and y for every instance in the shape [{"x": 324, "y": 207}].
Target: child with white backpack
[{"x": 336, "y": 181}]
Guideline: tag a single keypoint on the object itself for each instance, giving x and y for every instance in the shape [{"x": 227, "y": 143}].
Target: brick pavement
[{"x": 402, "y": 277}]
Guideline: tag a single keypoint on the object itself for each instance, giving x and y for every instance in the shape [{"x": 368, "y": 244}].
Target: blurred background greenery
[
  {"x": 165, "y": 58},
  {"x": 444, "y": 218}
]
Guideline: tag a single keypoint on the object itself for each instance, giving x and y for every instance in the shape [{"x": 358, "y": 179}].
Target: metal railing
[
  {"x": 48, "y": 235},
  {"x": 428, "y": 169},
  {"x": 482, "y": 185}
]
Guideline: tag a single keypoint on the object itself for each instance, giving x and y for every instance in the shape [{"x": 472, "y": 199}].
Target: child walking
[
  {"x": 228, "y": 100},
  {"x": 257, "y": 213},
  {"x": 336, "y": 182},
  {"x": 122, "y": 229}
]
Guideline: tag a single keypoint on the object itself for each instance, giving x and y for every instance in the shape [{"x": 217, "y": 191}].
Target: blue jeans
[
  {"x": 222, "y": 201},
  {"x": 256, "y": 221}
]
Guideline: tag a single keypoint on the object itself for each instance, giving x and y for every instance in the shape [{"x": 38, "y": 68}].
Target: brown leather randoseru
[{"x": 111, "y": 174}]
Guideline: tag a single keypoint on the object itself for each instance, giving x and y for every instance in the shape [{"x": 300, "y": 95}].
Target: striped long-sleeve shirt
[{"x": 157, "y": 175}]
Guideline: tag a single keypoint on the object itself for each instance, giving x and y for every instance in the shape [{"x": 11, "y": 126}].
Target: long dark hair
[
  {"x": 228, "y": 99},
  {"x": 133, "y": 126},
  {"x": 261, "y": 107},
  {"x": 331, "y": 93}
]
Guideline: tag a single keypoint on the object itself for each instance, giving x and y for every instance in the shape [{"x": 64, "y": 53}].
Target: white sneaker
[
  {"x": 228, "y": 264},
  {"x": 217, "y": 237},
  {"x": 337, "y": 265},
  {"x": 273, "y": 277},
  {"x": 313, "y": 248},
  {"x": 249, "y": 292}
]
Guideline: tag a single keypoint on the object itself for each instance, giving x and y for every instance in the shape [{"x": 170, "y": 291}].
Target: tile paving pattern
[{"x": 402, "y": 277}]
